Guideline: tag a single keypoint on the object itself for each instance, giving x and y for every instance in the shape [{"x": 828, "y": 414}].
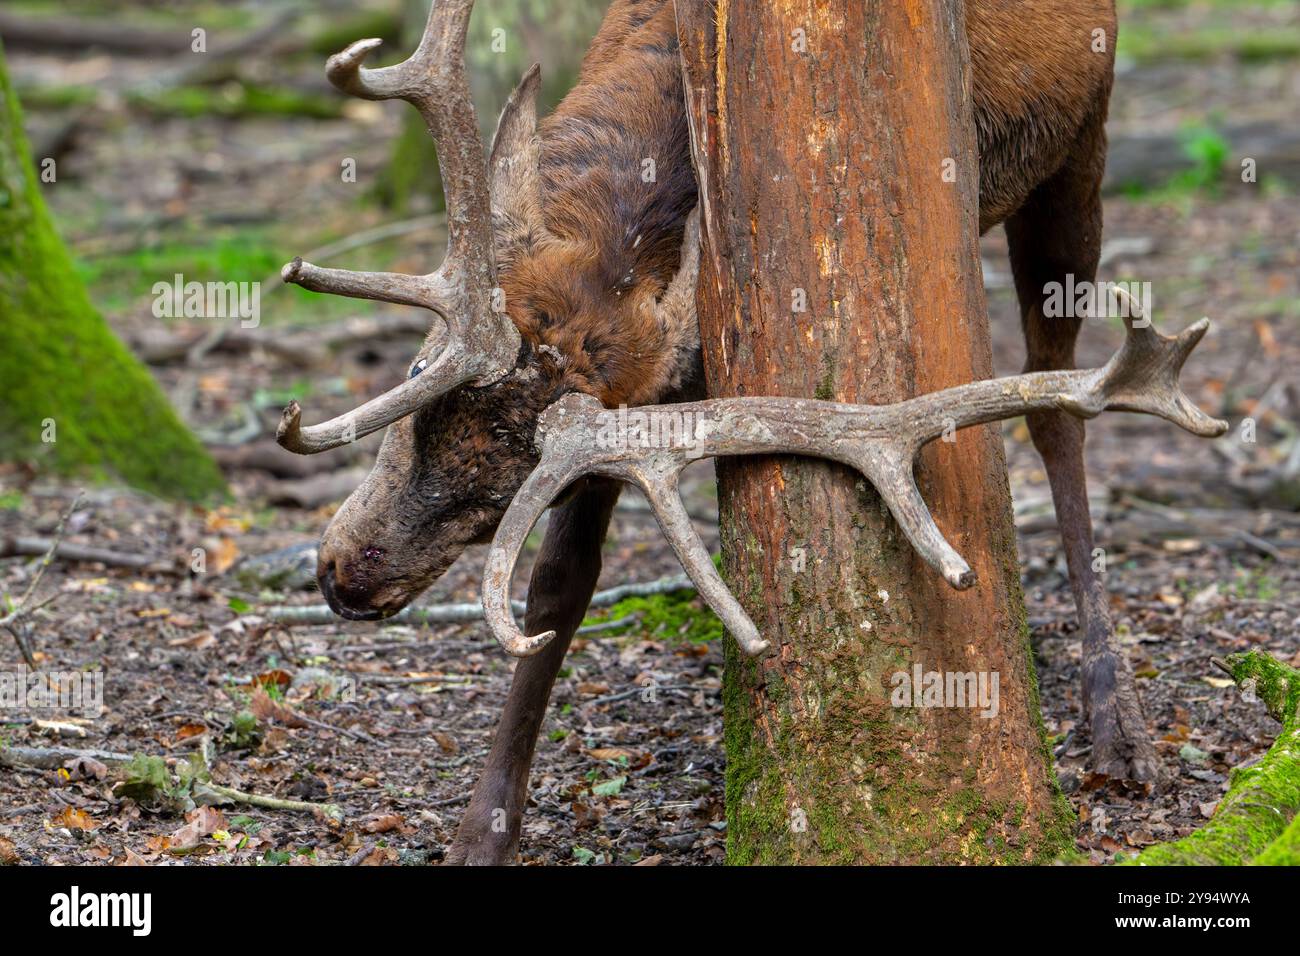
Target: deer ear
[{"x": 516, "y": 155}]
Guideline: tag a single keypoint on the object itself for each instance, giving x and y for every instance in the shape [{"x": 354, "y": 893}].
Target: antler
[
  {"x": 649, "y": 446},
  {"x": 481, "y": 344}
]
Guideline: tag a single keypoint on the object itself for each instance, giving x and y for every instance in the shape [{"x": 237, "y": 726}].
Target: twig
[
  {"x": 22, "y": 608},
  {"x": 322, "y": 725},
  {"x": 456, "y": 613},
  {"x": 397, "y": 681},
  {"x": 624, "y": 695},
  {"x": 356, "y": 859}
]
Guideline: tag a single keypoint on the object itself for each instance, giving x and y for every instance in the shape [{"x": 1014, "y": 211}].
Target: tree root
[{"x": 1257, "y": 821}]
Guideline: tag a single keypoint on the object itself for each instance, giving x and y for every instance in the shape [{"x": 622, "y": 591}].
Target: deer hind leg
[
  {"x": 1058, "y": 232},
  {"x": 562, "y": 583}
]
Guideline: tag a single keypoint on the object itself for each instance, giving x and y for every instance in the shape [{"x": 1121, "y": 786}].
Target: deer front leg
[{"x": 563, "y": 580}]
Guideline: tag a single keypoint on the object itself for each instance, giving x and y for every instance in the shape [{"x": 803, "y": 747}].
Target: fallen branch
[
  {"x": 330, "y": 810},
  {"x": 301, "y": 346},
  {"x": 52, "y": 758},
  {"x": 459, "y": 613},
  {"x": 1251, "y": 823},
  {"x": 30, "y": 547},
  {"x": 80, "y": 34}
]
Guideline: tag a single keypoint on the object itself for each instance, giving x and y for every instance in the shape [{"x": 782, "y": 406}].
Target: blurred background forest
[{"x": 225, "y": 165}]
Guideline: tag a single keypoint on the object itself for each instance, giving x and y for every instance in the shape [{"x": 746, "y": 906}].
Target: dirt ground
[{"x": 1200, "y": 538}]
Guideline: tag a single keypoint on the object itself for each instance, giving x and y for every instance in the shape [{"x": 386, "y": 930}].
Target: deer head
[{"x": 519, "y": 315}]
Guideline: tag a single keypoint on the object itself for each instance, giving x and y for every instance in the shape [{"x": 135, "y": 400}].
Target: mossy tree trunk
[
  {"x": 839, "y": 263},
  {"x": 1258, "y": 819},
  {"x": 72, "y": 398}
]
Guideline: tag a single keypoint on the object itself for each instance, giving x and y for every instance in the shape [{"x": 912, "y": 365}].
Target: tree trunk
[
  {"x": 839, "y": 263},
  {"x": 72, "y": 398}
]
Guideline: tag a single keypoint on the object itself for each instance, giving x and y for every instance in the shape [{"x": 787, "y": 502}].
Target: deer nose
[{"x": 347, "y": 597}]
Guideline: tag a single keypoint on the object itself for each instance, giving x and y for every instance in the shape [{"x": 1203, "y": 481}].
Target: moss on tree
[
  {"x": 1257, "y": 819},
  {"x": 72, "y": 398}
]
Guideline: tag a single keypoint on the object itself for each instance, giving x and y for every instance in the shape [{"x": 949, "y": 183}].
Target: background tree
[
  {"x": 72, "y": 397},
  {"x": 839, "y": 262}
]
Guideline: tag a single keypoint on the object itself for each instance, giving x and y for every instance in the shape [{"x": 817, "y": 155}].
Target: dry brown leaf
[
  {"x": 383, "y": 824},
  {"x": 609, "y": 753},
  {"x": 8, "y": 852},
  {"x": 202, "y": 821},
  {"x": 196, "y": 641},
  {"x": 191, "y": 730},
  {"x": 74, "y": 819},
  {"x": 222, "y": 555},
  {"x": 264, "y": 708},
  {"x": 276, "y": 678}
]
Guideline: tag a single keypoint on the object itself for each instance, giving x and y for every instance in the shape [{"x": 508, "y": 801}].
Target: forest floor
[{"x": 392, "y": 721}]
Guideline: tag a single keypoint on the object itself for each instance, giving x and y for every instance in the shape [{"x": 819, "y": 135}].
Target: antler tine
[
  {"x": 482, "y": 342},
  {"x": 1143, "y": 375},
  {"x": 433, "y": 80},
  {"x": 563, "y": 440},
  {"x": 892, "y": 476},
  {"x": 659, "y": 485},
  {"x": 578, "y": 437}
]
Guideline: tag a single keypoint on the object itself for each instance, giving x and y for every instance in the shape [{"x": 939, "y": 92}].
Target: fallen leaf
[
  {"x": 202, "y": 821},
  {"x": 609, "y": 788},
  {"x": 383, "y": 824},
  {"x": 264, "y": 708},
  {"x": 609, "y": 753},
  {"x": 276, "y": 678},
  {"x": 74, "y": 819},
  {"x": 197, "y": 641},
  {"x": 222, "y": 555}
]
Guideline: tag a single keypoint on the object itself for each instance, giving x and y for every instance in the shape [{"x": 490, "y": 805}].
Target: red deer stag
[{"x": 561, "y": 287}]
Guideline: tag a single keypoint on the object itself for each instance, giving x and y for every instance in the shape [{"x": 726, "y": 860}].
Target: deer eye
[{"x": 419, "y": 367}]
